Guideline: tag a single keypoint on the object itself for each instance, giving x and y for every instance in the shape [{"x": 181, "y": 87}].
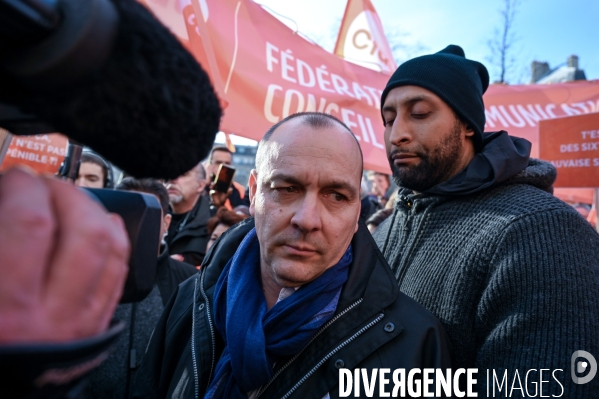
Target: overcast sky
[{"x": 548, "y": 30}]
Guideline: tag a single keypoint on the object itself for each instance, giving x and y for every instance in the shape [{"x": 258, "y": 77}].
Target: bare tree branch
[{"x": 503, "y": 45}]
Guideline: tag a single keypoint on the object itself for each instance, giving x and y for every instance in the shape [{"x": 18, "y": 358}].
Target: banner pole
[{"x": 5, "y": 140}]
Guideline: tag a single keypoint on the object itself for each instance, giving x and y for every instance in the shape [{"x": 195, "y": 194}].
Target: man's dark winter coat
[
  {"x": 190, "y": 236},
  {"x": 113, "y": 378},
  {"x": 511, "y": 271},
  {"x": 374, "y": 326}
]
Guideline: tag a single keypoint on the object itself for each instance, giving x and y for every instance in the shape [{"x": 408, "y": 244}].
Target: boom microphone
[{"x": 109, "y": 75}]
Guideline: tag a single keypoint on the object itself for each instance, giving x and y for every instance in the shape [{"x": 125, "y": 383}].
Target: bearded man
[{"x": 478, "y": 239}]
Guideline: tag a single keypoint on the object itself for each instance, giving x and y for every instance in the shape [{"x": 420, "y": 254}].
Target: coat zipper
[
  {"x": 401, "y": 272},
  {"x": 193, "y": 351},
  {"x": 406, "y": 203},
  {"x": 401, "y": 199},
  {"x": 334, "y": 319},
  {"x": 193, "y": 341},
  {"x": 331, "y": 353}
]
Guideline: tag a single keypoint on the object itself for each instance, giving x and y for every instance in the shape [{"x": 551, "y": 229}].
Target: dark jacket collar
[
  {"x": 199, "y": 214},
  {"x": 501, "y": 157},
  {"x": 198, "y": 219},
  {"x": 503, "y": 160},
  {"x": 369, "y": 277},
  {"x": 538, "y": 173}
]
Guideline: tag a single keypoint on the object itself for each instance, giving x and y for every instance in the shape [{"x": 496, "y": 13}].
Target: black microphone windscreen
[{"x": 151, "y": 109}]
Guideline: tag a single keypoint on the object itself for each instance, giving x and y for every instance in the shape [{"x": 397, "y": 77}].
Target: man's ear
[
  {"x": 202, "y": 182},
  {"x": 467, "y": 129},
  {"x": 166, "y": 220},
  {"x": 202, "y": 185},
  {"x": 253, "y": 186}
]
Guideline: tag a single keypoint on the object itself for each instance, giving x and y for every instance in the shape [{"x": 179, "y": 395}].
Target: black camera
[{"x": 142, "y": 215}]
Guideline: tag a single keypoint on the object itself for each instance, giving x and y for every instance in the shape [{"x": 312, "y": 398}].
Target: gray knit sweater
[{"x": 512, "y": 273}]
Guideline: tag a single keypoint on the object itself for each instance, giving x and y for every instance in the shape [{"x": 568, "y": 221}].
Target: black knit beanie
[{"x": 456, "y": 80}]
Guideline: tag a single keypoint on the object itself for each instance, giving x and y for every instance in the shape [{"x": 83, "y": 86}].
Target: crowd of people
[{"x": 461, "y": 259}]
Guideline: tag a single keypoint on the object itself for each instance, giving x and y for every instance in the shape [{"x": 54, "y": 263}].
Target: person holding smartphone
[{"x": 221, "y": 155}]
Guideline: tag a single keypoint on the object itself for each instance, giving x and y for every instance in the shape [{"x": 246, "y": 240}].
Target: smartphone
[{"x": 224, "y": 178}]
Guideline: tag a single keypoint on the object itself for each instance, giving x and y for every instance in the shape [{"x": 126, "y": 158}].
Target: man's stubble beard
[
  {"x": 436, "y": 165},
  {"x": 175, "y": 199}
]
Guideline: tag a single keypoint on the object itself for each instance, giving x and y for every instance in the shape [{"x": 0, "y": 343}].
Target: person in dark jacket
[
  {"x": 113, "y": 378},
  {"x": 187, "y": 234},
  {"x": 478, "y": 239},
  {"x": 287, "y": 299},
  {"x": 169, "y": 272}
]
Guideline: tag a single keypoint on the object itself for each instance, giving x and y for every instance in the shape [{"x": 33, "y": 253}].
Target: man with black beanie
[{"x": 477, "y": 238}]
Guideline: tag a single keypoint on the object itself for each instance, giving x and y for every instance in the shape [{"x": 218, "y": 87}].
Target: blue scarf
[{"x": 256, "y": 337}]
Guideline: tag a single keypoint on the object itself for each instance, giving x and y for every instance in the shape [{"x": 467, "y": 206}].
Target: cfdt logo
[{"x": 583, "y": 367}]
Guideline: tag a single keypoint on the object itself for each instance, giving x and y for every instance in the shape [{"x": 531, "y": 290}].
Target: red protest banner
[
  {"x": 519, "y": 109},
  {"x": 44, "y": 153},
  {"x": 263, "y": 71},
  {"x": 571, "y": 144}
]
